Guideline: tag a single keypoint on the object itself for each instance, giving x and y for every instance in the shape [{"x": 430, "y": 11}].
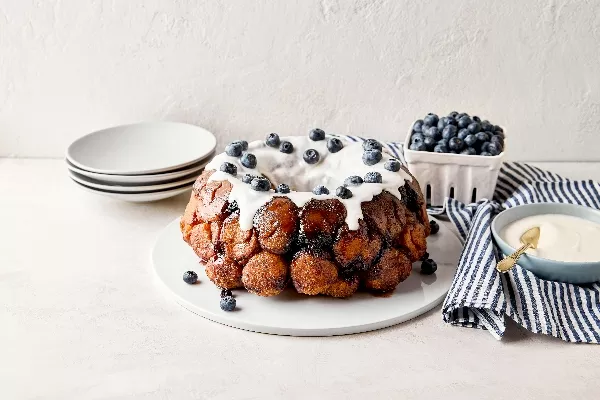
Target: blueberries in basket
[
  {"x": 463, "y": 133},
  {"x": 469, "y": 151},
  {"x": 272, "y": 140},
  {"x": 498, "y": 140},
  {"x": 343, "y": 192},
  {"x": 373, "y": 177},
  {"x": 353, "y": 180},
  {"x": 428, "y": 267},
  {"x": 286, "y": 147},
  {"x": 464, "y": 122},
  {"x": 316, "y": 134},
  {"x": 226, "y": 293},
  {"x": 371, "y": 157},
  {"x": 483, "y": 137},
  {"x": 282, "y": 188},
  {"x": 417, "y": 138},
  {"x": 311, "y": 156},
  {"x": 456, "y": 144},
  {"x": 227, "y": 303},
  {"x": 445, "y": 121},
  {"x": 476, "y": 118},
  {"x": 441, "y": 147},
  {"x": 494, "y": 149},
  {"x": 486, "y": 126},
  {"x": 453, "y": 114},
  {"x": 248, "y": 160},
  {"x": 260, "y": 184},
  {"x": 433, "y": 133},
  {"x": 435, "y": 228},
  {"x": 334, "y": 145},
  {"x": 418, "y": 147},
  {"x": 190, "y": 277},
  {"x": 431, "y": 119},
  {"x": 392, "y": 165},
  {"x": 418, "y": 126},
  {"x": 485, "y": 154},
  {"x": 470, "y": 140},
  {"x": 371, "y": 144},
  {"x": 485, "y": 147},
  {"x": 229, "y": 168},
  {"x": 429, "y": 143},
  {"x": 234, "y": 149},
  {"x": 449, "y": 131},
  {"x": 474, "y": 127},
  {"x": 320, "y": 190}
]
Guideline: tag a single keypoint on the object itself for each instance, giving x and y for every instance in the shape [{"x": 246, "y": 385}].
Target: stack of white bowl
[{"x": 140, "y": 162}]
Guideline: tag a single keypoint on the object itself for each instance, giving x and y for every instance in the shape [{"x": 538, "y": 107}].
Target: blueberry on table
[
  {"x": 431, "y": 119},
  {"x": 417, "y": 138},
  {"x": 428, "y": 267},
  {"x": 319, "y": 190},
  {"x": 470, "y": 140},
  {"x": 260, "y": 184},
  {"x": 418, "y": 147},
  {"x": 418, "y": 126},
  {"x": 494, "y": 149},
  {"x": 334, "y": 145},
  {"x": 190, "y": 277},
  {"x": 343, "y": 192},
  {"x": 474, "y": 127},
  {"x": 372, "y": 144},
  {"x": 463, "y": 133},
  {"x": 449, "y": 131},
  {"x": 469, "y": 151},
  {"x": 425, "y": 257},
  {"x": 373, "y": 177},
  {"x": 429, "y": 143},
  {"x": 228, "y": 168},
  {"x": 248, "y": 160},
  {"x": 311, "y": 156},
  {"x": 234, "y": 149},
  {"x": 483, "y": 137},
  {"x": 316, "y": 134},
  {"x": 435, "y": 228},
  {"x": 272, "y": 140},
  {"x": 227, "y": 303},
  {"x": 371, "y": 157},
  {"x": 282, "y": 188},
  {"x": 440, "y": 148},
  {"x": 464, "y": 122},
  {"x": 286, "y": 147},
  {"x": 226, "y": 293},
  {"x": 392, "y": 165},
  {"x": 353, "y": 180},
  {"x": 456, "y": 144}
]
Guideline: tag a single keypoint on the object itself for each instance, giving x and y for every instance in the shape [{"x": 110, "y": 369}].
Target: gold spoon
[{"x": 529, "y": 239}]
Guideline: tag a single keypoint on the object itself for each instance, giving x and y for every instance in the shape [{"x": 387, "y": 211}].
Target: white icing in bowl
[{"x": 291, "y": 169}]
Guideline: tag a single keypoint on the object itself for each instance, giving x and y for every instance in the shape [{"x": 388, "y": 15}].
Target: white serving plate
[
  {"x": 298, "y": 315},
  {"x": 141, "y": 149},
  {"x": 143, "y": 197},
  {"x": 131, "y": 188},
  {"x": 141, "y": 179}
]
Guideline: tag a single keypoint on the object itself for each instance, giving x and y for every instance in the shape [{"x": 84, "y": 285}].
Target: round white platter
[
  {"x": 141, "y": 179},
  {"x": 294, "y": 314},
  {"x": 141, "y": 149},
  {"x": 142, "y": 197},
  {"x": 131, "y": 188}
]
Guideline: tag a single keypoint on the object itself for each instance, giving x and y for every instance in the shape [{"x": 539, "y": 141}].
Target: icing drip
[{"x": 291, "y": 169}]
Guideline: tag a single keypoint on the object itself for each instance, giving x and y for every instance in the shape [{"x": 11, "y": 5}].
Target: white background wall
[{"x": 244, "y": 68}]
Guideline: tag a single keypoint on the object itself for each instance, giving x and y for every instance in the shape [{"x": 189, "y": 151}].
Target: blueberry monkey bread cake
[{"x": 318, "y": 213}]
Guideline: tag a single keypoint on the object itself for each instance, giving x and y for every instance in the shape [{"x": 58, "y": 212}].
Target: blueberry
[
  {"x": 229, "y": 168},
  {"x": 485, "y": 147},
  {"x": 498, "y": 140},
  {"x": 435, "y": 228},
  {"x": 453, "y": 114},
  {"x": 418, "y": 147},
  {"x": 372, "y": 144},
  {"x": 317, "y": 134},
  {"x": 311, "y": 156},
  {"x": 499, "y": 133},
  {"x": 353, "y": 180},
  {"x": 440, "y": 148},
  {"x": 417, "y": 138},
  {"x": 286, "y": 147},
  {"x": 476, "y": 118},
  {"x": 443, "y": 141},
  {"x": 190, "y": 277},
  {"x": 464, "y": 122},
  {"x": 248, "y": 178},
  {"x": 334, "y": 145},
  {"x": 429, "y": 143},
  {"x": 320, "y": 190},
  {"x": 260, "y": 184},
  {"x": 486, "y": 126},
  {"x": 485, "y": 154},
  {"x": 494, "y": 149},
  {"x": 392, "y": 165},
  {"x": 282, "y": 188},
  {"x": 428, "y": 267},
  {"x": 272, "y": 140},
  {"x": 343, "y": 192},
  {"x": 226, "y": 293},
  {"x": 441, "y": 123},
  {"x": 431, "y": 119},
  {"x": 469, "y": 151},
  {"x": 234, "y": 149},
  {"x": 227, "y": 303},
  {"x": 243, "y": 143},
  {"x": 424, "y": 257},
  {"x": 433, "y": 132},
  {"x": 460, "y": 115},
  {"x": 463, "y": 133},
  {"x": 371, "y": 157},
  {"x": 470, "y": 140},
  {"x": 373, "y": 177},
  {"x": 474, "y": 127},
  {"x": 498, "y": 129},
  {"x": 456, "y": 144},
  {"x": 232, "y": 207},
  {"x": 449, "y": 132},
  {"x": 483, "y": 137},
  {"x": 418, "y": 126},
  {"x": 248, "y": 160}
]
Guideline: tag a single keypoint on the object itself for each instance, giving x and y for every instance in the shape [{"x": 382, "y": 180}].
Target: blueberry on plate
[
  {"x": 417, "y": 138},
  {"x": 494, "y": 149},
  {"x": 272, "y": 140},
  {"x": 470, "y": 140},
  {"x": 311, "y": 156},
  {"x": 282, "y": 188},
  {"x": 428, "y": 267},
  {"x": 234, "y": 149},
  {"x": 474, "y": 127},
  {"x": 373, "y": 177},
  {"x": 248, "y": 178},
  {"x": 463, "y": 133},
  {"x": 456, "y": 144},
  {"x": 429, "y": 143},
  {"x": 435, "y": 228},
  {"x": 440, "y": 148},
  {"x": 226, "y": 293},
  {"x": 469, "y": 151},
  {"x": 418, "y": 126},
  {"x": 227, "y": 303},
  {"x": 483, "y": 137},
  {"x": 286, "y": 147},
  {"x": 353, "y": 180},
  {"x": 190, "y": 277},
  {"x": 464, "y": 122},
  {"x": 418, "y": 147},
  {"x": 392, "y": 165},
  {"x": 229, "y": 168},
  {"x": 449, "y": 132},
  {"x": 485, "y": 154},
  {"x": 372, "y": 144},
  {"x": 248, "y": 160},
  {"x": 334, "y": 145},
  {"x": 260, "y": 184},
  {"x": 371, "y": 157},
  {"x": 316, "y": 134},
  {"x": 319, "y": 190},
  {"x": 343, "y": 192},
  {"x": 431, "y": 119}
]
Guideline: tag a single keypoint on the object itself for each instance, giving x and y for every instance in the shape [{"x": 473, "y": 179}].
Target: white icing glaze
[{"x": 291, "y": 169}]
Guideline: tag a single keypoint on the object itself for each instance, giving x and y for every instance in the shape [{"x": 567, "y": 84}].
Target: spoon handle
[{"x": 510, "y": 261}]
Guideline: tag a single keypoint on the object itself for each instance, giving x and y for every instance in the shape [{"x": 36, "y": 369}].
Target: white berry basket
[{"x": 462, "y": 177}]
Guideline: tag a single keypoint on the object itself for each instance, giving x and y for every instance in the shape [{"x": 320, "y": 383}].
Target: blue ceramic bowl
[{"x": 570, "y": 272}]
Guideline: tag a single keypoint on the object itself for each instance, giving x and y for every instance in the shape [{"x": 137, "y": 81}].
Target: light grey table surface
[{"x": 81, "y": 317}]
